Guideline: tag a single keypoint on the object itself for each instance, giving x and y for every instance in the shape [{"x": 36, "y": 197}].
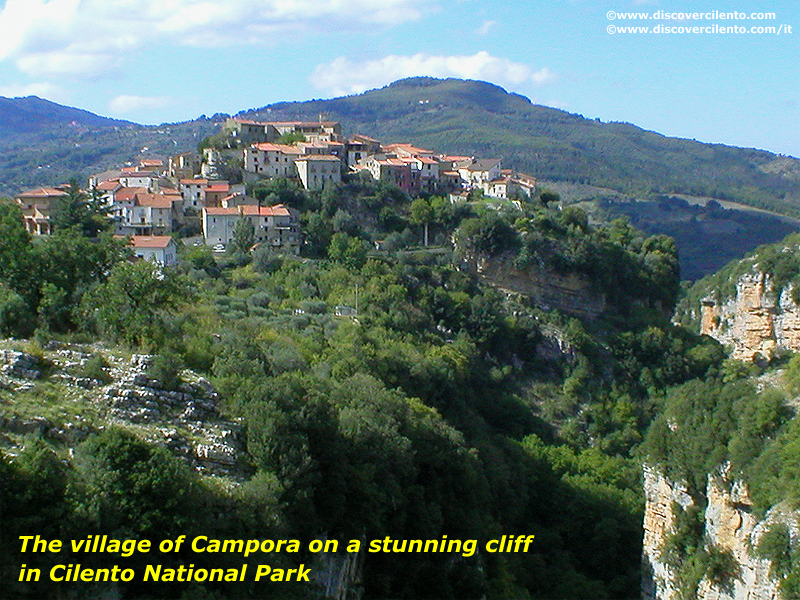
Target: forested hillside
[{"x": 381, "y": 393}]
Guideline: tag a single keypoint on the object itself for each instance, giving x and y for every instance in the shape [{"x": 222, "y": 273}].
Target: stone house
[
  {"x": 37, "y": 205},
  {"x": 318, "y": 171}
]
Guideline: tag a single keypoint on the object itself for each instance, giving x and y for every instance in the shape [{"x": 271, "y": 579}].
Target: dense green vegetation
[
  {"x": 708, "y": 236},
  {"x": 723, "y": 420},
  {"x": 432, "y": 409}
]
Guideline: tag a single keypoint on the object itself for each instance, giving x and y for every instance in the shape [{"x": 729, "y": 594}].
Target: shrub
[
  {"x": 165, "y": 369},
  {"x": 95, "y": 368}
]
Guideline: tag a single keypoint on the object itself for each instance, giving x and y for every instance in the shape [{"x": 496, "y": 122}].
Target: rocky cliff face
[
  {"x": 730, "y": 526},
  {"x": 547, "y": 289},
  {"x": 757, "y": 321}
]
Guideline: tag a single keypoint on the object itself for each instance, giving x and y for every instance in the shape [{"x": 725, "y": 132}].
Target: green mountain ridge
[
  {"x": 478, "y": 118},
  {"x": 449, "y": 115},
  {"x": 31, "y": 114}
]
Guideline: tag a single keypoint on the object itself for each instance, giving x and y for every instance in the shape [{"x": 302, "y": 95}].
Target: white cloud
[
  {"x": 543, "y": 76},
  {"x": 124, "y": 105},
  {"x": 343, "y": 76},
  {"x": 43, "y": 90},
  {"x": 83, "y": 37},
  {"x": 74, "y": 61},
  {"x": 486, "y": 27}
]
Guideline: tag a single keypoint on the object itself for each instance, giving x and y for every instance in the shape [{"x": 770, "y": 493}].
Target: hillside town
[{"x": 151, "y": 200}]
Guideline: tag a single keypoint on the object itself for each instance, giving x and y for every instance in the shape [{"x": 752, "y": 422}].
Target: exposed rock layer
[
  {"x": 730, "y": 525},
  {"x": 757, "y": 321},
  {"x": 547, "y": 289}
]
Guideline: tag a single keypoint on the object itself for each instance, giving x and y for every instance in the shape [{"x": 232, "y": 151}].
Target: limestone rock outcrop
[
  {"x": 185, "y": 419},
  {"x": 730, "y": 525},
  {"x": 757, "y": 322}
]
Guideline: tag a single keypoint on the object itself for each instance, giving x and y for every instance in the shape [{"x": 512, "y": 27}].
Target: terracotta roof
[
  {"x": 284, "y": 148},
  {"x": 128, "y": 193},
  {"x": 153, "y": 200},
  {"x": 426, "y": 160},
  {"x": 43, "y": 192},
  {"x": 302, "y": 123},
  {"x": 109, "y": 185},
  {"x": 150, "y": 241},
  {"x": 250, "y": 210},
  {"x": 393, "y": 162},
  {"x": 202, "y": 182},
  {"x": 319, "y": 157},
  {"x": 286, "y": 123},
  {"x": 407, "y": 148},
  {"x": 218, "y": 187},
  {"x": 152, "y": 162},
  {"x": 248, "y": 122},
  {"x": 358, "y": 138}
]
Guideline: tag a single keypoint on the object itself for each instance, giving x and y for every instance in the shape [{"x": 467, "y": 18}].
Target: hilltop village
[{"x": 151, "y": 200}]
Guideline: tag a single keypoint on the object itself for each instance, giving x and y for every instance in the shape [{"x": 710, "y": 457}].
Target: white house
[
  {"x": 275, "y": 225},
  {"x": 160, "y": 249},
  {"x": 318, "y": 171},
  {"x": 142, "y": 213},
  {"x": 271, "y": 160},
  {"x": 193, "y": 192},
  {"x": 478, "y": 171}
]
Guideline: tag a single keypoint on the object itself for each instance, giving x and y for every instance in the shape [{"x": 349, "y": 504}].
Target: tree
[
  {"x": 546, "y": 197},
  {"x": 16, "y": 318},
  {"x": 291, "y": 138},
  {"x": 17, "y": 263},
  {"x": 244, "y": 235},
  {"x": 422, "y": 214},
  {"x": 131, "y": 306},
  {"x": 347, "y": 250},
  {"x": 79, "y": 210}
]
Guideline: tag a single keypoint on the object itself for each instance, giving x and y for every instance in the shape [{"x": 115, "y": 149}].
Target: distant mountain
[
  {"x": 44, "y": 143},
  {"x": 32, "y": 114},
  {"x": 474, "y": 117}
]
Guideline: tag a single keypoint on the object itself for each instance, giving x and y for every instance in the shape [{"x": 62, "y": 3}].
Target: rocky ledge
[{"x": 185, "y": 419}]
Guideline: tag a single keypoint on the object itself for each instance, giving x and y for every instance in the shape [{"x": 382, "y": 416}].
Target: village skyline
[{"x": 168, "y": 62}]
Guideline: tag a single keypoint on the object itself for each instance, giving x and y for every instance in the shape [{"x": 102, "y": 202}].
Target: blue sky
[{"x": 154, "y": 61}]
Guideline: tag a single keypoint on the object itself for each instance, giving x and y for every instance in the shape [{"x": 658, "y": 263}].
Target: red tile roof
[
  {"x": 250, "y": 210},
  {"x": 108, "y": 185},
  {"x": 43, "y": 192},
  {"x": 150, "y": 241},
  {"x": 285, "y": 148},
  {"x": 153, "y": 200},
  {"x": 128, "y": 193},
  {"x": 287, "y": 123}
]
